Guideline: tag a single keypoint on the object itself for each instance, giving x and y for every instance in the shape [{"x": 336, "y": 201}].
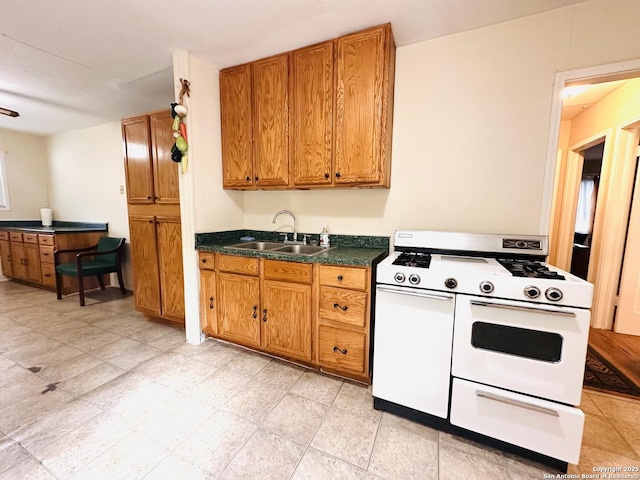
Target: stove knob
[
  {"x": 531, "y": 291},
  {"x": 486, "y": 287},
  {"x": 451, "y": 283},
  {"x": 399, "y": 277},
  {"x": 414, "y": 279},
  {"x": 553, "y": 294}
]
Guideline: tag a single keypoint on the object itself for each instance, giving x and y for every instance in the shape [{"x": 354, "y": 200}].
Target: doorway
[{"x": 591, "y": 221}]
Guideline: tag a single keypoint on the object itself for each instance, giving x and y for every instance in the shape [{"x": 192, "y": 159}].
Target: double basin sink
[{"x": 297, "y": 248}]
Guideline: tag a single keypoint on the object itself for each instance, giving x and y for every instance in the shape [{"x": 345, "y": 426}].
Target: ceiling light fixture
[
  {"x": 10, "y": 113},
  {"x": 573, "y": 90}
]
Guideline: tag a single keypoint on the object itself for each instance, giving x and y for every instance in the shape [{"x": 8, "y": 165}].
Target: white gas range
[{"x": 475, "y": 332}]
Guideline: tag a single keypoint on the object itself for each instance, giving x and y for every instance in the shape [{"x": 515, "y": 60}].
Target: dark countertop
[
  {"x": 354, "y": 250},
  {"x": 35, "y": 226}
]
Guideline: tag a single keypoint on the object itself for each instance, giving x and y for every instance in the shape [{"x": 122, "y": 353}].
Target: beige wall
[
  {"x": 27, "y": 176},
  {"x": 85, "y": 173},
  {"x": 471, "y": 124}
]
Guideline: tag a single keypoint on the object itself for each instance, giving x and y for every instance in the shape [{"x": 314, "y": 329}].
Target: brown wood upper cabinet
[
  {"x": 151, "y": 175},
  {"x": 320, "y": 116}
]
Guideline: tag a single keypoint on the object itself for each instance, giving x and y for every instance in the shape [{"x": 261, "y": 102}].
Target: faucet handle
[
  {"x": 285, "y": 235},
  {"x": 305, "y": 237}
]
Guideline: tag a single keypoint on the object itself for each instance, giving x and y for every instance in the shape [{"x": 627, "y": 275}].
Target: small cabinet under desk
[{"x": 29, "y": 257}]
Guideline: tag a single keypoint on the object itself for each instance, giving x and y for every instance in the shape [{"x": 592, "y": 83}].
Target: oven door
[
  {"x": 535, "y": 349},
  {"x": 412, "y": 348}
]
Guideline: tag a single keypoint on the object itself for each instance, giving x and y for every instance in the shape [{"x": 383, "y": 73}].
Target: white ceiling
[
  {"x": 574, "y": 105},
  {"x": 69, "y": 64}
]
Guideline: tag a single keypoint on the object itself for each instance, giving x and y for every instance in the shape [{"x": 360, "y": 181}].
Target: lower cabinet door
[
  {"x": 170, "y": 266},
  {"x": 208, "y": 302},
  {"x": 238, "y": 308},
  {"x": 32, "y": 256},
  {"x": 5, "y": 258},
  {"x": 545, "y": 427},
  {"x": 286, "y": 319},
  {"x": 144, "y": 259}
]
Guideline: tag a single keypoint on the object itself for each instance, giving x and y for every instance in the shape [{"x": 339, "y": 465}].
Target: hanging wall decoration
[{"x": 179, "y": 114}]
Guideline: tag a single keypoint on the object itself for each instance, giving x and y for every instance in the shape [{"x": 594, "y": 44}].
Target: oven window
[{"x": 521, "y": 342}]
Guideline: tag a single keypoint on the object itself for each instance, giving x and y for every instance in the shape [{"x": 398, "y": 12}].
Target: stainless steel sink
[
  {"x": 302, "y": 249},
  {"x": 256, "y": 245},
  {"x": 276, "y": 247}
]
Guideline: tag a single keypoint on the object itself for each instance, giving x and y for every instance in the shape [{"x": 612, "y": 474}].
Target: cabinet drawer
[
  {"x": 207, "y": 260},
  {"x": 538, "y": 425},
  {"x": 48, "y": 274},
  {"x": 342, "y": 305},
  {"x": 237, "y": 264},
  {"x": 287, "y": 271},
  {"x": 46, "y": 254},
  {"x": 30, "y": 237},
  {"x": 346, "y": 277},
  {"x": 15, "y": 236},
  {"x": 4, "y": 235},
  {"x": 341, "y": 350},
  {"x": 46, "y": 240}
]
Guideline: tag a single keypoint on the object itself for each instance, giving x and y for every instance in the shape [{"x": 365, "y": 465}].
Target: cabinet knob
[
  {"x": 338, "y": 174},
  {"x": 326, "y": 175},
  {"x": 248, "y": 178},
  {"x": 338, "y": 349},
  {"x": 150, "y": 221},
  {"x": 148, "y": 198},
  {"x": 255, "y": 311},
  {"x": 204, "y": 260},
  {"x": 257, "y": 178},
  {"x": 343, "y": 308},
  {"x": 340, "y": 278},
  {"x": 210, "y": 302}
]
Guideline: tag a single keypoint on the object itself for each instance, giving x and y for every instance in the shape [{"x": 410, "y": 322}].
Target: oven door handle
[
  {"x": 523, "y": 309},
  {"x": 414, "y": 293},
  {"x": 516, "y": 403}
]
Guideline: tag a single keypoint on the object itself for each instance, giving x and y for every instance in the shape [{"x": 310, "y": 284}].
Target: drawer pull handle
[
  {"x": 338, "y": 349},
  {"x": 337, "y": 305},
  {"x": 47, "y": 274},
  {"x": 516, "y": 403},
  {"x": 264, "y": 318},
  {"x": 340, "y": 278},
  {"x": 255, "y": 311},
  {"x": 210, "y": 302},
  {"x": 523, "y": 309}
]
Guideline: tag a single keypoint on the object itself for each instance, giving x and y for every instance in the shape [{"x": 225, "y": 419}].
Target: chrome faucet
[{"x": 295, "y": 225}]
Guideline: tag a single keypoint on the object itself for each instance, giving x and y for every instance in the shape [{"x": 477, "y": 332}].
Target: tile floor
[{"x": 101, "y": 393}]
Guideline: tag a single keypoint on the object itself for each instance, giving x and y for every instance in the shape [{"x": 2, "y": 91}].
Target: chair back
[{"x": 109, "y": 243}]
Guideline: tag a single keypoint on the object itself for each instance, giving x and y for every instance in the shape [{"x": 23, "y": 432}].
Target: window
[
  {"x": 586, "y": 206},
  {"x": 4, "y": 189}
]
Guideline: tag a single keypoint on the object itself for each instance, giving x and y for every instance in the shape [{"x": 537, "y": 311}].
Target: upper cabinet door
[
  {"x": 362, "y": 69},
  {"x": 236, "y": 124},
  {"x": 271, "y": 120},
  {"x": 165, "y": 170},
  {"x": 311, "y": 115},
  {"x": 137, "y": 159}
]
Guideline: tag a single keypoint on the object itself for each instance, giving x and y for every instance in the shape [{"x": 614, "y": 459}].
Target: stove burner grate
[
  {"x": 413, "y": 259},
  {"x": 529, "y": 268}
]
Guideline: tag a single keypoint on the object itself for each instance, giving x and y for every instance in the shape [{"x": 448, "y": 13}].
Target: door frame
[{"x": 608, "y": 241}]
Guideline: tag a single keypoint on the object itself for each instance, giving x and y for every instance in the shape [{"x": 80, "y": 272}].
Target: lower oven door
[
  {"x": 529, "y": 348},
  {"x": 412, "y": 348}
]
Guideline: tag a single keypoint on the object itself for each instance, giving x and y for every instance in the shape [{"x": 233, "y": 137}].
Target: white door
[
  {"x": 412, "y": 350},
  {"x": 628, "y": 312}
]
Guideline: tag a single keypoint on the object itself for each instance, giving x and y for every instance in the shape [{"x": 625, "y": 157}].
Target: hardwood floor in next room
[
  {"x": 133, "y": 401},
  {"x": 622, "y": 351}
]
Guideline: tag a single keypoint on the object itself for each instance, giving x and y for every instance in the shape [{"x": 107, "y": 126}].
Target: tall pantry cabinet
[{"x": 154, "y": 216}]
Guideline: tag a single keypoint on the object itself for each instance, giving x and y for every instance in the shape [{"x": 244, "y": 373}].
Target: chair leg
[
  {"x": 81, "y": 288},
  {"x": 100, "y": 282},
  {"x": 121, "y": 282},
  {"x": 59, "y": 286}
]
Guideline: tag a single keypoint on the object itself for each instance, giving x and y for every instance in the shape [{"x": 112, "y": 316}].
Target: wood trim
[{"x": 608, "y": 246}]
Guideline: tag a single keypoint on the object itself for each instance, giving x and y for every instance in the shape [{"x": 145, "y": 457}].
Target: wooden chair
[{"x": 107, "y": 258}]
